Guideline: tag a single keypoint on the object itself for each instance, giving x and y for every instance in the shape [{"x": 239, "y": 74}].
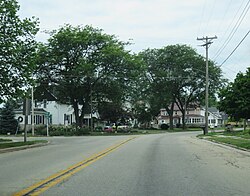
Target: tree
[
  {"x": 234, "y": 98},
  {"x": 177, "y": 76},
  {"x": 8, "y": 123},
  {"x": 17, "y": 47},
  {"x": 83, "y": 64}
]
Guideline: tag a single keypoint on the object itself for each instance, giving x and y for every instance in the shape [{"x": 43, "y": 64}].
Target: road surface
[{"x": 162, "y": 164}]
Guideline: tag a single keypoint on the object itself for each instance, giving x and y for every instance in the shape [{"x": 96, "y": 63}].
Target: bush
[
  {"x": 164, "y": 126},
  {"x": 98, "y": 129},
  {"x": 178, "y": 125},
  {"x": 64, "y": 131}
]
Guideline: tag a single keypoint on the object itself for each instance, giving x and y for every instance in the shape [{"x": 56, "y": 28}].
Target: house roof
[
  {"x": 36, "y": 110},
  {"x": 44, "y": 93},
  {"x": 213, "y": 109},
  {"x": 194, "y": 115}
]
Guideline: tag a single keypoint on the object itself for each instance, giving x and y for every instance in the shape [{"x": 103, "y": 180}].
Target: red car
[{"x": 108, "y": 129}]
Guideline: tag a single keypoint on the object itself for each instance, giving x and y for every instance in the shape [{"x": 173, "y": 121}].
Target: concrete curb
[{"x": 12, "y": 149}]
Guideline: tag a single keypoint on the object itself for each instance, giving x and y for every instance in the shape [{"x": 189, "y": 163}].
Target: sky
[{"x": 157, "y": 23}]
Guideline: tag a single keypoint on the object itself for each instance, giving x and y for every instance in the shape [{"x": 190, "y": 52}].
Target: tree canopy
[
  {"x": 176, "y": 75},
  {"x": 234, "y": 98},
  {"x": 17, "y": 48},
  {"x": 85, "y": 65}
]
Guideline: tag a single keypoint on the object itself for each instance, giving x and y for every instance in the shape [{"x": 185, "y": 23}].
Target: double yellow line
[{"x": 51, "y": 181}]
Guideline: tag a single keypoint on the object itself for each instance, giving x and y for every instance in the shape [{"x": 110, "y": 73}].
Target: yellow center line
[{"x": 52, "y": 180}]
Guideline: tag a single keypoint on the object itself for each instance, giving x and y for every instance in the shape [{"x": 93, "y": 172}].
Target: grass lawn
[
  {"x": 132, "y": 132},
  {"x": 242, "y": 143},
  {"x": 144, "y": 131},
  {"x": 185, "y": 130},
  {"x": 18, "y": 144},
  {"x": 5, "y": 140},
  {"x": 236, "y": 138}
]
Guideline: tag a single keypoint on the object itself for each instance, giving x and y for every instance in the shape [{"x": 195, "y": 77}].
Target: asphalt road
[{"x": 163, "y": 164}]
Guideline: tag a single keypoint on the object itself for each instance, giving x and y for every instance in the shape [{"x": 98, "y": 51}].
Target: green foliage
[
  {"x": 110, "y": 111},
  {"x": 5, "y": 140},
  {"x": 8, "y": 123},
  {"x": 64, "y": 131},
  {"x": 142, "y": 112},
  {"x": 234, "y": 98},
  {"x": 18, "y": 144},
  {"x": 164, "y": 126},
  {"x": 84, "y": 64},
  {"x": 176, "y": 73},
  {"x": 17, "y": 48},
  {"x": 242, "y": 143}
]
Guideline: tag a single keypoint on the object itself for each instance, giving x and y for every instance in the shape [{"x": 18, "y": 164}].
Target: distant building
[
  {"x": 195, "y": 116},
  {"x": 52, "y": 112}
]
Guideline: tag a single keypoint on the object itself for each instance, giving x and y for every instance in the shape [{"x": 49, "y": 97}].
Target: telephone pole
[{"x": 207, "y": 42}]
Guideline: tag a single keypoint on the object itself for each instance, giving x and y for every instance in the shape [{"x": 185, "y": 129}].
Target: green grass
[
  {"x": 132, "y": 132},
  {"x": 242, "y": 134},
  {"x": 242, "y": 143},
  {"x": 185, "y": 130},
  {"x": 18, "y": 144},
  {"x": 5, "y": 140},
  {"x": 236, "y": 138}
]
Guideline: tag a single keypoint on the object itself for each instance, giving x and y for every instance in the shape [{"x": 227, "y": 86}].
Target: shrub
[
  {"x": 178, "y": 125},
  {"x": 64, "y": 131},
  {"x": 164, "y": 126},
  {"x": 98, "y": 129}
]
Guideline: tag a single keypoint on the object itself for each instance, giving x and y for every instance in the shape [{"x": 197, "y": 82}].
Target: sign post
[
  {"x": 47, "y": 115},
  {"x": 26, "y": 112}
]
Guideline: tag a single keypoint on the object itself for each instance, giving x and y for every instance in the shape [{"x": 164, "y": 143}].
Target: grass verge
[
  {"x": 242, "y": 143},
  {"x": 5, "y": 140},
  {"x": 18, "y": 144},
  {"x": 239, "y": 139}
]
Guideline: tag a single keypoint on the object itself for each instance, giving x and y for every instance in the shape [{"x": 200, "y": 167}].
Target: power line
[
  {"x": 203, "y": 11},
  {"x": 235, "y": 49},
  {"x": 233, "y": 31}
]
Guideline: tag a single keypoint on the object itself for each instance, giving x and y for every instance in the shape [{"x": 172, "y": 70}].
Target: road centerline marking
[{"x": 54, "y": 179}]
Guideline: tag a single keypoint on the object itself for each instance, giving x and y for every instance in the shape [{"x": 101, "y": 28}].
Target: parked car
[
  {"x": 123, "y": 128},
  {"x": 108, "y": 129}
]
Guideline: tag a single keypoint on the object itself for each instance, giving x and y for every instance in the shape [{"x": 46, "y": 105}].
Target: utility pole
[
  {"x": 32, "y": 109},
  {"x": 207, "y": 42}
]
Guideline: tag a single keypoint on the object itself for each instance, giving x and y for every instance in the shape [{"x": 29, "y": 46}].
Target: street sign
[{"x": 47, "y": 115}]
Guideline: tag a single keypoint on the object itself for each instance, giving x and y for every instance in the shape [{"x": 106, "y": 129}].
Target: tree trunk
[
  {"x": 183, "y": 119},
  {"x": 245, "y": 125},
  {"x": 76, "y": 111},
  {"x": 171, "y": 118}
]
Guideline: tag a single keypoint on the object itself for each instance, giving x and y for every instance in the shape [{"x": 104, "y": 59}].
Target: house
[
  {"x": 215, "y": 117},
  {"x": 50, "y": 111},
  {"x": 195, "y": 116}
]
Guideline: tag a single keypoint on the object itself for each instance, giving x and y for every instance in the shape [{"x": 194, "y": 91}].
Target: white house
[{"x": 53, "y": 113}]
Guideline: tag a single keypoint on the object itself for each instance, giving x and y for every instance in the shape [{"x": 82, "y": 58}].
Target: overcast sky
[{"x": 156, "y": 23}]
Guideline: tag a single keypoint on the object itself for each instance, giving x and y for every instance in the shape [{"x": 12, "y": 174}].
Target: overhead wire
[
  {"x": 235, "y": 48},
  {"x": 234, "y": 30},
  {"x": 210, "y": 15},
  {"x": 202, "y": 16}
]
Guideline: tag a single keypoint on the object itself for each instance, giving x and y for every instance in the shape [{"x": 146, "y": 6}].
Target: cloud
[{"x": 150, "y": 23}]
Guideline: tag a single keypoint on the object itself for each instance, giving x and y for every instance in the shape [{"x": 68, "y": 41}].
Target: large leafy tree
[
  {"x": 177, "y": 76},
  {"x": 17, "y": 47},
  {"x": 234, "y": 98},
  {"x": 84, "y": 65}
]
